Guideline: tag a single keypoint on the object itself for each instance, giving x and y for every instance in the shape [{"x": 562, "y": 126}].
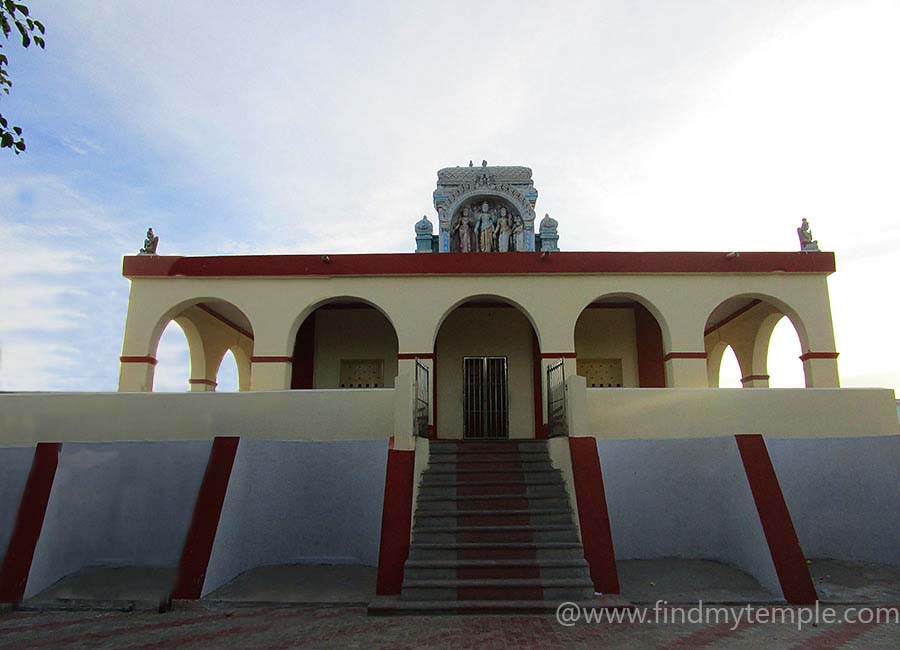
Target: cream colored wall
[
  {"x": 778, "y": 412},
  {"x": 342, "y": 414},
  {"x": 485, "y": 332},
  {"x": 609, "y": 334},
  {"x": 352, "y": 334},
  {"x": 417, "y": 304}
]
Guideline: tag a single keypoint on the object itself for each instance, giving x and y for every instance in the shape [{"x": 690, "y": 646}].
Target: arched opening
[
  {"x": 213, "y": 328},
  {"x": 345, "y": 343},
  {"x": 729, "y": 370},
  {"x": 173, "y": 361},
  {"x": 619, "y": 344},
  {"x": 227, "y": 375},
  {"x": 747, "y": 325},
  {"x": 487, "y": 372},
  {"x": 784, "y": 349}
]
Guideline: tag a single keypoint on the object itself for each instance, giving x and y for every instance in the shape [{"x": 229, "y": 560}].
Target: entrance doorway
[{"x": 485, "y": 397}]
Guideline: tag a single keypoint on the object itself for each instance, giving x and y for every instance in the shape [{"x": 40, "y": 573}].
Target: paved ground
[
  {"x": 245, "y": 624},
  {"x": 349, "y": 627},
  {"x": 301, "y": 584}
]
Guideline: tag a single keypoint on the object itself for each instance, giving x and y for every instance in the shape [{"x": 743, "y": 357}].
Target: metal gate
[
  {"x": 556, "y": 399},
  {"x": 421, "y": 408},
  {"x": 485, "y": 397}
]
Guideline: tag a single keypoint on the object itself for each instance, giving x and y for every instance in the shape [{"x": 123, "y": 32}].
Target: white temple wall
[
  {"x": 352, "y": 334},
  {"x": 300, "y": 503},
  {"x": 843, "y": 494},
  {"x": 485, "y": 332},
  {"x": 117, "y": 504}
]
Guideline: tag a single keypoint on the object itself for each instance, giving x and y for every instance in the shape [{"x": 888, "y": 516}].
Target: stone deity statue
[
  {"x": 485, "y": 223},
  {"x": 463, "y": 231},
  {"x": 807, "y": 243},
  {"x": 519, "y": 235},
  {"x": 150, "y": 243},
  {"x": 504, "y": 231}
]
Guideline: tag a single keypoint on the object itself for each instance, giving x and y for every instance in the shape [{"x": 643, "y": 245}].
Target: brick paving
[{"x": 349, "y": 627}]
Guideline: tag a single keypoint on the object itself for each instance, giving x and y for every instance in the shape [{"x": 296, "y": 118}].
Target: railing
[
  {"x": 420, "y": 408},
  {"x": 556, "y": 400}
]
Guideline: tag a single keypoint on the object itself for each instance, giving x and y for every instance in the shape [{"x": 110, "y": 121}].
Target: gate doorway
[{"x": 485, "y": 397}]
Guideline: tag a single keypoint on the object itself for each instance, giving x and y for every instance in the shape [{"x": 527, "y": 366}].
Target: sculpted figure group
[{"x": 484, "y": 229}]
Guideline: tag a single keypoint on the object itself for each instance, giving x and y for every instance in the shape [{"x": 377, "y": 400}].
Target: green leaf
[
  {"x": 20, "y": 145},
  {"x": 39, "y": 25},
  {"x": 26, "y": 40},
  {"x": 39, "y": 41},
  {"x": 3, "y": 122},
  {"x": 23, "y": 9},
  {"x": 6, "y": 140},
  {"x": 18, "y": 130}
]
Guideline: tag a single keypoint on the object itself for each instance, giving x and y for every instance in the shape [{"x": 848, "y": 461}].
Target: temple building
[{"x": 445, "y": 413}]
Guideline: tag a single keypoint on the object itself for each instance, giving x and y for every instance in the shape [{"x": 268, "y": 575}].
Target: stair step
[
  {"x": 499, "y": 550},
  {"x": 501, "y": 470},
  {"x": 497, "y": 589},
  {"x": 455, "y": 564},
  {"x": 483, "y": 497},
  {"x": 487, "y": 462},
  {"x": 489, "y": 513},
  {"x": 387, "y": 606},
  {"x": 502, "y": 582},
  {"x": 426, "y": 480},
  {"x": 492, "y": 529}
]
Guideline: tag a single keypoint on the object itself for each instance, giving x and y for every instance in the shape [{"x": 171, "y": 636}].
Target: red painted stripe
[
  {"x": 818, "y": 355},
  {"x": 650, "y": 361},
  {"x": 593, "y": 516},
  {"x": 415, "y": 355},
  {"x": 558, "y": 355},
  {"x": 227, "y": 321},
  {"x": 205, "y": 521},
  {"x": 790, "y": 565},
  {"x": 303, "y": 368},
  {"x": 271, "y": 359},
  {"x": 684, "y": 355},
  {"x": 29, "y": 522},
  {"x": 396, "y": 521},
  {"x": 206, "y": 382},
  {"x": 744, "y": 380},
  {"x": 144, "y": 359},
  {"x": 743, "y": 310},
  {"x": 475, "y": 264}
]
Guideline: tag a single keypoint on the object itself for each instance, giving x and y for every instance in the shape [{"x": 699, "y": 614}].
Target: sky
[{"x": 298, "y": 127}]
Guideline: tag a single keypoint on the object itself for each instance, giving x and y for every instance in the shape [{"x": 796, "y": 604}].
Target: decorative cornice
[{"x": 136, "y": 266}]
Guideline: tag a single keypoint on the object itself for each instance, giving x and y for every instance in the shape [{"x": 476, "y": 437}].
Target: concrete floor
[
  {"x": 855, "y": 582},
  {"x": 688, "y": 581},
  {"x": 113, "y": 588},
  {"x": 642, "y": 581},
  {"x": 298, "y": 583}
]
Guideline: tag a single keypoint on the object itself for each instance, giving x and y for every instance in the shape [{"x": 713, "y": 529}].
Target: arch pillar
[
  {"x": 821, "y": 369},
  {"x": 685, "y": 356}
]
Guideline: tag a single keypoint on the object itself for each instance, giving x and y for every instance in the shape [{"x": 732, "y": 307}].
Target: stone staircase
[{"x": 492, "y": 532}]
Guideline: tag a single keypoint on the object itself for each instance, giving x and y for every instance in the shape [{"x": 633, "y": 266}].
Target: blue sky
[{"x": 308, "y": 127}]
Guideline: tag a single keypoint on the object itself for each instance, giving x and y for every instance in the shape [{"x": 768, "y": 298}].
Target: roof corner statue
[
  {"x": 807, "y": 243},
  {"x": 151, "y": 241},
  {"x": 486, "y": 209}
]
